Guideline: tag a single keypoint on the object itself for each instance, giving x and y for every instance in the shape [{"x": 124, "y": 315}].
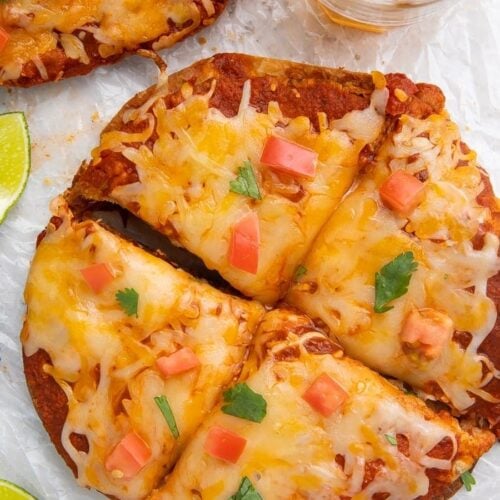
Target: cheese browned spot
[
  {"x": 295, "y": 452},
  {"x": 96, "y": 365},
  {"x": 52, "y": 39},
  {"x": 454, "y": 267}
]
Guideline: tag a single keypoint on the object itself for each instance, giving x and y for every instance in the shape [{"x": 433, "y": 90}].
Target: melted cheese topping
[
  {"x": 105, "y": 360},
  {"x": 183, "y": 187},
  {"x": 37, "y": 27},
  {"x": 363, "y": 236},
  {"x": 450, "y": 211},
  {"x": 292, "y": 453}
]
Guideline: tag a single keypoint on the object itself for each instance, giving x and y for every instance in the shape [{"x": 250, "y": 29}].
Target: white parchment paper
[{"x": 460, "y": 51}]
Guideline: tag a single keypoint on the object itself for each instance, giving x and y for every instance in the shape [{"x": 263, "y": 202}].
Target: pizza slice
[
  {"x": 306, "y": 422},
  {"x": 405, "y": 273},
  {"x": 240, "y": 160},
  {"x": 124, "y": 355},
  {"x": 47, "y": 40}
]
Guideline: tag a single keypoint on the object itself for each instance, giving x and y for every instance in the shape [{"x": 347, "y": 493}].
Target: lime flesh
[
  {"x": 9, "y": 491},
  {"x": 14, "y": 160}
]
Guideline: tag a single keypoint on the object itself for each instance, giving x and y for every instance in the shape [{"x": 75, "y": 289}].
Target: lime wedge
[
  {"x": 9, "y": 491},
  {"x": 14, "y": 160}
]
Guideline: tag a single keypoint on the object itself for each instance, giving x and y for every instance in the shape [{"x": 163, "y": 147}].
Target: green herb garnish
[
  {"x": 246, "y": 491},
  {"x": 162, "y": 403},
  {"x": 468, "y": 480},
  {"x": 391, "y": 439},
  {"x": 299, "y": 272},
  {"x": 246, "y": 183},
  {"x": 244, "y": 403},
  {"x": 392, "y": 281},
  {"x": 128, "y": 300}
]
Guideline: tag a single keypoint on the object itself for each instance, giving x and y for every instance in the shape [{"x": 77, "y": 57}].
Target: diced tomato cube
[
  {"x": 97, "y": 276},
  {"x": 287, "y": 156},
  {"x": 129, "y": 456},
  {"x": 4, "y": 38},
  {"x": 180, "y": 361},
  {"x": 224, "y": 444},
  {"x": 245, "y": 243},
  {"x": 428, "y": 331},
  {"x": 325, "y": 395},
  {"x": 402, "y": 192}
]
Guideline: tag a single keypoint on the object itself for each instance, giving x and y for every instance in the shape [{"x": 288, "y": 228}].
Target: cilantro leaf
[
  {"x": 391, "y": 439},
  {"x": 468, "y": 480},
  {"x": 128, "y": 300},
  {"x": 244, "y": 403},
  {"x": 392, "y": 281},
  {"x": 246, "y": 183},
  {"x": 299, "y": 272},
  {"x": 246, "y": 491},
  {"x": 162, "y": 403}
]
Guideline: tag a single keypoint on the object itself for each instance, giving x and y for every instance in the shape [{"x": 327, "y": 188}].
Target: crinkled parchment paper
[{"x": 459, "y": 51}]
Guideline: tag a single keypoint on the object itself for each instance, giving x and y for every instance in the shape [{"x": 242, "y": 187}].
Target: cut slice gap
[{"x": 134, "y": 229}]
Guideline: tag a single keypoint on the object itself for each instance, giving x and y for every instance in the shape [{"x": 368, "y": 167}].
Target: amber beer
[{"x": 378, "y": 15}]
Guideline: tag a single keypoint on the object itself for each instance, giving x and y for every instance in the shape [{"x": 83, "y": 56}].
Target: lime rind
[
  {"x": 15, "y": 159},
  {"x": 11, "y": 491}
]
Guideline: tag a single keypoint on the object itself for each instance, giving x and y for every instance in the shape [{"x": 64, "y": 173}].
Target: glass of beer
[{"x": 378, "y": 15}]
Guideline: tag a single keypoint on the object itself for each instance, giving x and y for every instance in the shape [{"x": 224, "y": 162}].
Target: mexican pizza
[
  {"x": 405, "y": 273},
  {"x": 327, "y": 427},
  {"x": 124, "y": 355},
  {"x": 46, "y": 40},
  {"x": 349, "y": 196}
]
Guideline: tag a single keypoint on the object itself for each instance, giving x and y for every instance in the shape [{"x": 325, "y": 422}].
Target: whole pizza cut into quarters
[
  {"x": 47, "y": 40},
  {"x": 348, "y": 348}
]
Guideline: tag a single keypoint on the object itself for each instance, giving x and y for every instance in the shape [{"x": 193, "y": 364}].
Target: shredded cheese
[
  {"x": 104, "y": 360},
  {"x": 184, "y": 179},
  {"x": 74, "y": 48},
  {"x": 209, "y": 7},
  {"x": 293, "y": 450},
  {"x": 363, "y": 235},
  {"x": 117, "y": 26}
]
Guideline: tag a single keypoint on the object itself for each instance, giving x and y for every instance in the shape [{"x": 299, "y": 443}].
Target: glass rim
[{"x": 386, "y": 13}]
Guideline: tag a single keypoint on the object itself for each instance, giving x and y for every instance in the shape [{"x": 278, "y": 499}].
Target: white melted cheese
[
  {"x": 184, "y": 190},
  {"x": 36, "y": 27},
  {"x": 362, "y": 236},
  {"x": 85, "y": 333},
  {"x": 292, "y": 452},
  {"x": 450, "y": 210}
]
